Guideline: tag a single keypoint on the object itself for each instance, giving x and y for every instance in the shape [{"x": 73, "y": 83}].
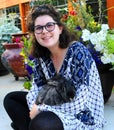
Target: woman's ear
[{"x": 61, "y": 29}]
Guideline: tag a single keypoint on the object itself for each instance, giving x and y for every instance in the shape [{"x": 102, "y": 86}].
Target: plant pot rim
[
  {"x": 11, "y": 45},
  {"x": 20, "y": 34}
]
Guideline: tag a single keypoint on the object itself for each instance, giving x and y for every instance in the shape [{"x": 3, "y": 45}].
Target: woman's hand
[{"x": 34, "y": 111}]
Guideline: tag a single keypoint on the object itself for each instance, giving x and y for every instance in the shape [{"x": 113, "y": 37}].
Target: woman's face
[{"x": 46, "y": 31}]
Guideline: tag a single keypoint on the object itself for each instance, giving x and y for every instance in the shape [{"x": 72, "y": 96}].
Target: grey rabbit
[{"x": 58, "y": 90}]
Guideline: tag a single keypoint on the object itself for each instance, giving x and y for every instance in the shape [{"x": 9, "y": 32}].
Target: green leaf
[{"x": 27, "y": 85}]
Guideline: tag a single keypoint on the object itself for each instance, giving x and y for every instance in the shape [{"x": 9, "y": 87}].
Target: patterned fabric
[{"x": 86, "y": 111}]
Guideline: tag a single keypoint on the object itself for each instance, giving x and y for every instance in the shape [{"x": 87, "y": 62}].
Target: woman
[{"x": 56, "y": 51}]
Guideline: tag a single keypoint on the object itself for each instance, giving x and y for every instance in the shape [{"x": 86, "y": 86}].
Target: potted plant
[
  {"x": 98, "y": 38},
  {"x": 11, "y": 57},
  {"x": 101, "y": 46},
  {"x": 7, "y": 30}
]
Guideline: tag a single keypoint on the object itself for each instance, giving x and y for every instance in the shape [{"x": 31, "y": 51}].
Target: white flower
[
  {"x": 101, "y": 35},
  {"x": 99, "y": 47},
  {"x": 93, "y": 38},
  {"x": 85, "y": 35},
  {"x": 104, "y": 27},
  {"x": 107, "y": 58}
]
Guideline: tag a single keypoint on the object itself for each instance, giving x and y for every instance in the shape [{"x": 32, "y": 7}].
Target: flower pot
[
  {"x": 107, "y": 80},
  {"x": 13, "y": 61}
]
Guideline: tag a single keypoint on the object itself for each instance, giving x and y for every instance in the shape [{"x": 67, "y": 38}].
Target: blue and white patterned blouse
[{"x": 86, "y": 110}]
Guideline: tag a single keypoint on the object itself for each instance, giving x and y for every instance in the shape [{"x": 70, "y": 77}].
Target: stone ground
[{"x": 8, "y": 83}]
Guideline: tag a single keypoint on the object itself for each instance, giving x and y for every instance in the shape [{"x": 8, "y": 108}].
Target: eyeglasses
[{"x": 50, "y": 26}]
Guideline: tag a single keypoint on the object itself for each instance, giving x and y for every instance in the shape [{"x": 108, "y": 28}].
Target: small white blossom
[
  {"x": 107, "y": 58},
  {"x": 85, "y": 35},
  {"x": 99, "y": 47},
  {"x": 104, "y": 27},
  {"x": 93, "y": 38},
  {"x": 101, "y": 35}
]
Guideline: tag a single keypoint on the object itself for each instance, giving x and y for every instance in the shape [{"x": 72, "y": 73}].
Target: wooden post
[
  {"x": 110, "y": 12},
  {"x": 24, "y": 8}
]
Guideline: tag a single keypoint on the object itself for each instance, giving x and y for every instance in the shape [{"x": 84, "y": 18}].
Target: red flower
[
  {"x": 18, "y": 39},
  {"x": 64, "y": 18},
  {"x": 73, "y": 13}
]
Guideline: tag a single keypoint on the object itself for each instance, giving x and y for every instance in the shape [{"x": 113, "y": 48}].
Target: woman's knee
[
  {"x": 8, "y": 99},
  {"x": 13, "y": 97}
]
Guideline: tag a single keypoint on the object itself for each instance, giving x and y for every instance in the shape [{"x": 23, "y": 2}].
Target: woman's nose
[{"x": 44, "y": 30}]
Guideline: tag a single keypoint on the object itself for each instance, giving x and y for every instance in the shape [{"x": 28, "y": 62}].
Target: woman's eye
[
  {"x": 39, "y": 28},
  {"x": 49, "y": 25}
]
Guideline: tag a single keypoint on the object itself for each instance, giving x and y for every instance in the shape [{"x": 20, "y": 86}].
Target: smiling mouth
[{"x": 46, "y": 38}]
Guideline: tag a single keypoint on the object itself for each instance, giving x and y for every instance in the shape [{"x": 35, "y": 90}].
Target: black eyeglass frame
[{"x": 45, "y": 26}]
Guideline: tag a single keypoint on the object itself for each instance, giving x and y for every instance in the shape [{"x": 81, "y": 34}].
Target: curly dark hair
[{"x": 65, "y": 37}]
